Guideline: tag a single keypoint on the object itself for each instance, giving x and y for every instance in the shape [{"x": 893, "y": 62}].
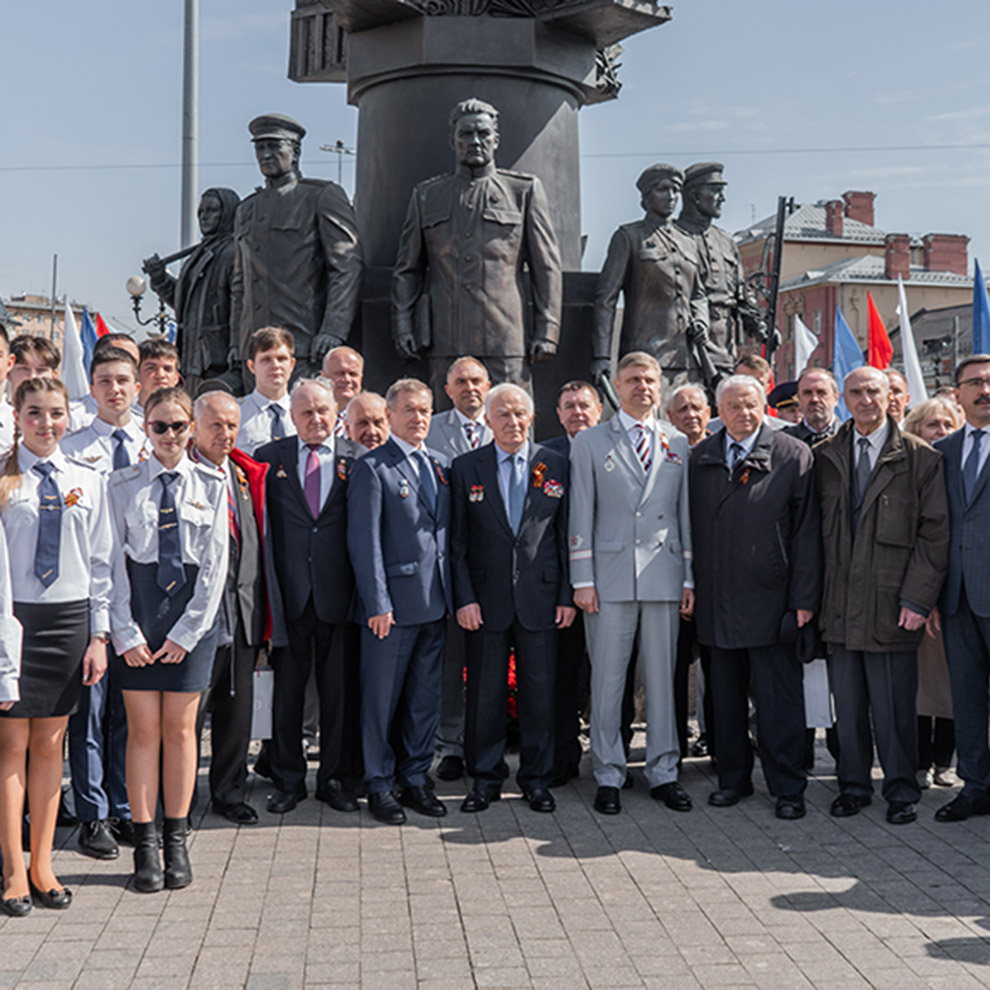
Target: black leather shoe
[
  {"x": 95, "y": 840},
  {"x": 607, "y": 801},
  {"x": 122, "y": 829},
  {"x": 54, "y": 898},
  {"x": 450, "y": 768},
  {"x": 385, "y": 808},
  {"x": 540, "y": 799},
  {"x": 846, "y": 805},
  {"x": 672, "y": 795},
  {"x": 238, "y": 812},
  {"x": 962, "y": 807},
  {"x": 148, "y": 874},
  {"x": 283, "y": 801},
  {"x": 563, "y": 772},
  {"x": 901, "y": 813},
  {"x": 422, "y": 800},
  {"x": 476, "y": 801},
  {"x": 16, "y": 907},
  {"x": 178, "y": 871},
  {"x": 791, "y": 808},
  {"x": 337, "y": 796},
  {"x": 726, "y": 797}
]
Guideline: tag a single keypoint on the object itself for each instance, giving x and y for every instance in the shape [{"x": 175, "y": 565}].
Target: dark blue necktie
[
  {"x": 49, "y": 525},
  {"x": 121, "y": 458},
  {"x": 278, "y": 431},
  {"x": 971, "y": 468},
  {"x": 517, "y": 490},
  {"x": 426, "y": 481},
  {"x": 171, "y": 575}
]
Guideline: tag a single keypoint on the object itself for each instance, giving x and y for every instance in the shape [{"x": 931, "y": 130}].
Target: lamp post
[{"x": 136, "y": 287}]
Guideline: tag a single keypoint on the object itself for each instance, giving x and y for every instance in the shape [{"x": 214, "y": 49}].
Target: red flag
[
  {"x": 101, "y": 328},
  {"x": 879, "y": 350},
  {"x": 769, "y": 409}
]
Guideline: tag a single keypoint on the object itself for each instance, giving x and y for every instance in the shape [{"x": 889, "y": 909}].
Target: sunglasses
[{"x": 159, "y": 426}]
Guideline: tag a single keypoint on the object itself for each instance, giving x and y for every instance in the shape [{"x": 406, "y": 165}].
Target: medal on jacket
[
  {"x": 476, "y": 493},
  {"x": 342, "y": 470},
  {"x": 403, "y": 489},
  {"x": 539, "y": 472},
  {"x": 609, "y": 463},
  {"x": 280, "y": 473},
  {"x": 553, "y": 489},
  {"x": 73, "y": 496}
]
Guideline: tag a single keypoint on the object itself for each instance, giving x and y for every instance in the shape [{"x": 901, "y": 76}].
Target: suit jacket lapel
[
  {"x": 626, "y": 451},
  {"x": 289, "y": 457},
  {"x": 659, "y": 437},
  {"x": 488, "y": 472}
]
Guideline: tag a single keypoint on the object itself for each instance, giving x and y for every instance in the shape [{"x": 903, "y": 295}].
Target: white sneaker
[
  {"x": 925, "y": 779},
  {"x": 945, "y": 777}
]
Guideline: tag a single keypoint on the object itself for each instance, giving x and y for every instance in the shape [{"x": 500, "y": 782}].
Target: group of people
[{"x": 391, "y": 560}]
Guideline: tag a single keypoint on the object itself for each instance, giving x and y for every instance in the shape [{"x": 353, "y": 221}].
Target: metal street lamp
[{"x": 136, "y": 287}]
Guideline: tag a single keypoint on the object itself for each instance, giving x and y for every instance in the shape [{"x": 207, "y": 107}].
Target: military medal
[
  {"x": 609, "y": 463},
  {"x": 553, "y": 489},
  {"x": 539, "y": 471},
  {"x": 476, "y": 493},
  {"x": 403, "y": 489},
  {"x": 342, "y": 470},
  {"x": 672, "y": 458},
  {"x": 436, "y": 464},
  {"x": 73, "y": 496},
  {"x": 280, "y": 473}
]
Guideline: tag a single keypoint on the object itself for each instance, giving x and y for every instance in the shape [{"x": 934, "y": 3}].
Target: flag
[
  {"x": 981, "y": 315},
  {"x": 846, "y": 356},
  {"x": 912, "y": 366},
  {"x": 769, "y": 409},
  {"x": 879, "y": 348},
  {"x": 73, "y": 370},
  {"x": 88, "y": 332},
  {"x": 171, "y": 331},
  {"x": 101, "y": 328},
  {"x": 804, "y": 344}
]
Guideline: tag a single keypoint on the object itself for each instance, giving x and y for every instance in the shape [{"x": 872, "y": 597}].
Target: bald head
[
  {"x": 344, "y": 367},
  {"x": 313, "y": 410},
  {"x": 217, "y": 420},
  {"x": 367, "y": 420}
]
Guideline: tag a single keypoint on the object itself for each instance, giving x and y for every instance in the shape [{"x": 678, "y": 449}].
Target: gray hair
[
  {"x": 403, "y": 385},
  {"x": 365, "y": 395},
  {"x": 739, "y": 381},
  {"x": 207, "y": 397},
  {"x": 302, "y": 382},
  {"x": 876, "y": 372},
  {"x": 504, "y": 389},
  {"x": 687, "y": 387}
]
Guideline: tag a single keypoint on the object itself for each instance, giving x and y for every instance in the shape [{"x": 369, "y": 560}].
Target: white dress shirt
[
  {"x": 11, "y": 635},
  {"x": 631, "y": 426},
  {"x": 94, "y": 444},
  {"x": 877, "y": 439},
  {"x": 85, "y": 547},
  {"x": 505, "y": 460},
  {"x": 256, "y": 421},
  {"x": 135, "y": 496},
  {"x": 746, "y": 443},
  {"x": 326, "y": 452},
  {"x": 6, "y": 426},
  {"x": 968, "y": 446}
]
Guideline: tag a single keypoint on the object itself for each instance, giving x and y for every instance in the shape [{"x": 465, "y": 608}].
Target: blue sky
[{"x": 754, "y": 85}]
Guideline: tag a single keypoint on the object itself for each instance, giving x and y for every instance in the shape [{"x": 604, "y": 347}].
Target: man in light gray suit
[
  {"x": 455, "y": 432},
  {"x": 630, "y": 559}
]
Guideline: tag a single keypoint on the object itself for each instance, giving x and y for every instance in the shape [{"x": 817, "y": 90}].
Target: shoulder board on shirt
[
  {"x": 78, "y": 461},
  {"x": 510, "y": 173},
  {"x": 123, "y": 474}
]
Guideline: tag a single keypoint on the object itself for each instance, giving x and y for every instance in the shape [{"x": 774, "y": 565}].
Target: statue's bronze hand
[
  {"x": 322, "y": 343},
  {"x": 541, "y": 351},
  {"x": 405, "y": 344},
  {"x": 601, "y": 368},
  {"x": 697, "y": 334}
]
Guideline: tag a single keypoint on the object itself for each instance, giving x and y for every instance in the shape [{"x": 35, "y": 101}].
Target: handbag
[{"x": 264, "y": 696}]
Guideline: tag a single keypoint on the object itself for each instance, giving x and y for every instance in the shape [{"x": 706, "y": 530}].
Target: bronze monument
[
  {"x": 298, "y": 261},
  {"x": 465, "y": 242}
]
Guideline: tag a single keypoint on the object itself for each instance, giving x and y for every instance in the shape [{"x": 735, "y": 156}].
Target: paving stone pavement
[{"x": 509, "y": 898}]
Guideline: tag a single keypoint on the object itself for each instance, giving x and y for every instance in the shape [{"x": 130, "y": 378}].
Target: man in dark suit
[
  {"x": 757, "y": 557},
  {"x": 578, "y": 408},
  {"x": 965, "y": 602},
  {"x": 509, "y": 564},
  {"x": 818, "y": 396},
  {"x": 244, "y": 611},
  {"x": 311, "y": 594},
  {"x": 398, "y": 517}
]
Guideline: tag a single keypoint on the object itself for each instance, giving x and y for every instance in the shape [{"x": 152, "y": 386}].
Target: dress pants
[
  {"x": 886, "y": 686},
  {"x": 688, "y": 648},
  {"x": 612, "y": 632},
  {"x": 97, "y": 747},
  {"x": 450, "y": 731},
  {"x": 487, "y": 696},
  {"x": 571, "y": 693},
  {"x": 967, "y": 649},
  {"x": 775, "y": 678},
  {"x": 331, "y": 647},
  {"x": 400, "y": 680}
]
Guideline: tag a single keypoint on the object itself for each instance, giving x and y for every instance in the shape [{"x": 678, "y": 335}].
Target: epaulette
[
  {"x": 528, "y": 176},
  {"x": 431, "y": 181},
  {"x": 123, "y": 474},
  {"x": 78, "y": 461}
]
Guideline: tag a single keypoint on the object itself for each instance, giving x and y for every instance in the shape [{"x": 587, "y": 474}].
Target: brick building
[{"x": 33, "y": 314}]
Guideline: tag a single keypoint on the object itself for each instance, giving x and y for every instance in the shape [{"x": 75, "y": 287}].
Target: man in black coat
[
  {"x": 511, "y": 590},
  {"x": 757, "y": 557},
  {"x": 313, "y": 588}
]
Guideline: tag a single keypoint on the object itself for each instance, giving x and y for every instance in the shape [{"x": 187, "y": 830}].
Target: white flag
[
  {"x": 804, "y": 343},
  {"x": 912, "y": 366},
  {"x": 73, "y": 364}
]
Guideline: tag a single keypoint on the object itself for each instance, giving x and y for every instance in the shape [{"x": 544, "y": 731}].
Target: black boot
[
  {"x": 178, "y": 872},
  {"x": 148, "y": 876}
]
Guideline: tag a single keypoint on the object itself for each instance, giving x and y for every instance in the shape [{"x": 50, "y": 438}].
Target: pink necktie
[{"x": 312, "y": 486}]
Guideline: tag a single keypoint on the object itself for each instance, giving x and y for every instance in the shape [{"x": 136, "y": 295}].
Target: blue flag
[
  {"x": 847, "y": 356},
  {"x": 981, "y": 315},
  {"x": 88, "y": 333}
]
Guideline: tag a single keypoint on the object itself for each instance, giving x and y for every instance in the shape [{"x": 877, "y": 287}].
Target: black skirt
[
  {"x": 156, "y": 613},
  {"x": 56, "y": 635}
]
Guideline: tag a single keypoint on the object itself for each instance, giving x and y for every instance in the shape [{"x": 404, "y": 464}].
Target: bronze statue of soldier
[
  {"x": 732, "y": 310},
  {"x": 200, "y": 296},
  {"x": 298, "y": 261},
  {"x": 464, "y": 244},
  {"x": 655, "y": 266}
]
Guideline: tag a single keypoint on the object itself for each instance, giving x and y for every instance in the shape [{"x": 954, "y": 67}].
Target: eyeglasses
[
  {"x": 159, "y": 426},
  {"x": 975, "y": 382}
]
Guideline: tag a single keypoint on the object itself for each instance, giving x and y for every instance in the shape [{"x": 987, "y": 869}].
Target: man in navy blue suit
[
  {"x": 965, "y": 601},
  {"x": 511, "y": 590},
  {"x": 398, "y": 517}
]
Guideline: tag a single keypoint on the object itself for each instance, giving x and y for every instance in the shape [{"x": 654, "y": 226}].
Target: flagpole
[
  {"x": 190, "y": 121},
  {"x": 51, "y": 332}
]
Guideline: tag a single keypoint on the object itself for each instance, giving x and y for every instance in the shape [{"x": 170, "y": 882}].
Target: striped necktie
[
  {"x": 643, "y": 451},
  {"x": 473, "y": 431}
]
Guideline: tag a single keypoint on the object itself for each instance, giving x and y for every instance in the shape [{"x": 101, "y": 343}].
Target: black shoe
[
  {"x": 700, "y": 746},
  {"x": 422, "y": 800},
  {"x": 148, "y": 874},
  {"x": 476, "y": 801},
  {"x": 627, "y": 784},
  {"x": 385, "y": 808},
  {"x": 540, "y": 799},
  {"x": 726, "y": 797},
  {"x": 672, "y": 795},
  {"x": 450, "y": 768},
  {"x": 54, "y": 898},
  {"x": 337, "y": 796},
  {"x": 282, "y": 802},
  {"x": 122, "y": 829},
  {"x": 238, "y": 812},
  {"x": 263, "y": 763},
  {"x": 95, "y": 840},
  {"x": 791, "y": 808},
  {"x": 16, "y": 907},
  {"x": 178, "y": 872},
  {"x": 901, "y": 813},
  {"x": 562, "y": 772},
  {"x": 846, "y": 805},
  {"x": 607, "y": 801},
  {"x": 960, "y": 808}
]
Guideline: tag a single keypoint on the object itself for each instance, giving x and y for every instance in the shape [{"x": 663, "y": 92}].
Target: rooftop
[
  {"x": 871, "y": 268},
  {"x": 807, "y": 223}
]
